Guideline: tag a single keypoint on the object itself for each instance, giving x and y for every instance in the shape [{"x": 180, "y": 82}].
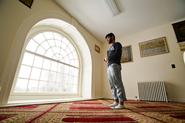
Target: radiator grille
[{"x": 152, "y": 91}]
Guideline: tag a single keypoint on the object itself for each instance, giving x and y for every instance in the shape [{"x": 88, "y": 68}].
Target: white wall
[
  {"x": 16, "y": 21},
  {"x": 153, "y": 68}
]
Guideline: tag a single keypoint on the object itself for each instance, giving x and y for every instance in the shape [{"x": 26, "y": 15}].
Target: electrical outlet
[{"x": 173, "y": 65}]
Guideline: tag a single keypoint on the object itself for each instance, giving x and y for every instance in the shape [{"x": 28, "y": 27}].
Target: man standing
[{"x": 114, "y": 71}]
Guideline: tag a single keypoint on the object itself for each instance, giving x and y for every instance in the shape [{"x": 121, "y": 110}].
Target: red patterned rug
[
  {"x": 179, "y": 116},
  {"x": 95, "y": 111},
  {"x": 156, "y": 106},
  {"x": 88, "y": 105},
  {"x": 6, "y": 116},
  {"x": 87, "y": 102},
  {"x": 27, "y": 106},
  {"x": 97, "y": 118}
]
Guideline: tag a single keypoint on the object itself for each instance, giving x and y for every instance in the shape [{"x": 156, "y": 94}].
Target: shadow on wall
[{"x": 170, "y": 89}]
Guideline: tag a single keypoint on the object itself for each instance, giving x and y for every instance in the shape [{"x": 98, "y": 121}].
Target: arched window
[{"x": 50, "y": 64}]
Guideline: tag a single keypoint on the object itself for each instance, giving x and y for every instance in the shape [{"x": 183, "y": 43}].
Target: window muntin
[{"x": 50, "y": 64}]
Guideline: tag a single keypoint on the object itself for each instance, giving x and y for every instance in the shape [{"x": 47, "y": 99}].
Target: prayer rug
[{"x": 94, "y": 111}]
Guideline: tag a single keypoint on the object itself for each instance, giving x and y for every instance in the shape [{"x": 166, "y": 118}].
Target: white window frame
[{"x": 33, "y": 33}]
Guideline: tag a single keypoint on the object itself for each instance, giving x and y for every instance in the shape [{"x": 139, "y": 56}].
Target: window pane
[
  {"x": 65, "y": 41},
  {"x": 48, "y": 35},
  {"x": 51, "y": 43},
  {"x": 70, "y": 56},
  {"x": 57, "y": 56},
  {"x": 51, "y": 87},
  {"x": 75, "y": 72},
  {"x": 64, "y": 45},
  {"x": 28, "y": 59},
  {"x": 58, "y": 42},
  {"x": 71, "y": 88},
  {"x": 39, "y": 38},
  {"x": 38, "y": 61},
  {"x": 35, "y": 74},
  {"x": 66, "y": 60},
  {"x": 77, "y": 63},
  {"x": 46, "y": 64},
  {"x": 45, "y": 45},
  {"x": 75, "y": 80},
  {"x": 49, "y": 53},
  {"x": 60, "y": 68},
  {"x": 52, "y": 76},
  {"x": 67, "y": 68},
  {"x": 54, "y": 66},
  {"x": 32, "y": 46},
  {"x": 70, "y": 79},
  {"x": 24, "y": 71},
  {"x": 33, "y": 86},
  {"x": 70, "y": 47},
  {"x": 56, "y": 49},
  {"x": 58, "y": 88},
  {"x": 21, "y": 85},
  {"x": 44, "y": 75},
  {"x": 43, "y": 86},
  {"x": 40, "y": 50},
  {"x": 75, "y": 89},
  {"x": 68, "y": 51},
  {"x": 59, "y": 78},
  {"x": 75, "y": 55}
]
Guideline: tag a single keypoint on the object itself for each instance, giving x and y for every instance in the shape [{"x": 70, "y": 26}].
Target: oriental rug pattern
[{"x": 95, "y": 111}]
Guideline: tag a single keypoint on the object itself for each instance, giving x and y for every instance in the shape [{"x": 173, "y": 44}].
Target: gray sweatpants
[{"x": 116, "y": 84}]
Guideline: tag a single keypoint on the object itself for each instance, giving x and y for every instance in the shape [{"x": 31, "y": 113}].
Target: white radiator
[{"x": 152, "y": 91}]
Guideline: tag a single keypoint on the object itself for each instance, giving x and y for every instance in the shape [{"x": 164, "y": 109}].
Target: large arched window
[{"x": 50, "y": 64}]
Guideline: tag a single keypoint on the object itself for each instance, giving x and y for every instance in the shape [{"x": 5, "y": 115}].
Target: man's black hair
[{"x": 110, "y": 35}]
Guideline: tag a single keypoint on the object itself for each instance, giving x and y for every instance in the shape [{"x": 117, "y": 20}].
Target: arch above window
[{"x": 66, "y": 29}]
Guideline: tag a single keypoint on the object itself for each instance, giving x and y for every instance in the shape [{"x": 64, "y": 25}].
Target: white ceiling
[{"x": 136, "y": 16}]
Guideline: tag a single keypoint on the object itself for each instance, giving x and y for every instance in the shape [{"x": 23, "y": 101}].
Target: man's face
[{"x": 110, "y": 39}]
